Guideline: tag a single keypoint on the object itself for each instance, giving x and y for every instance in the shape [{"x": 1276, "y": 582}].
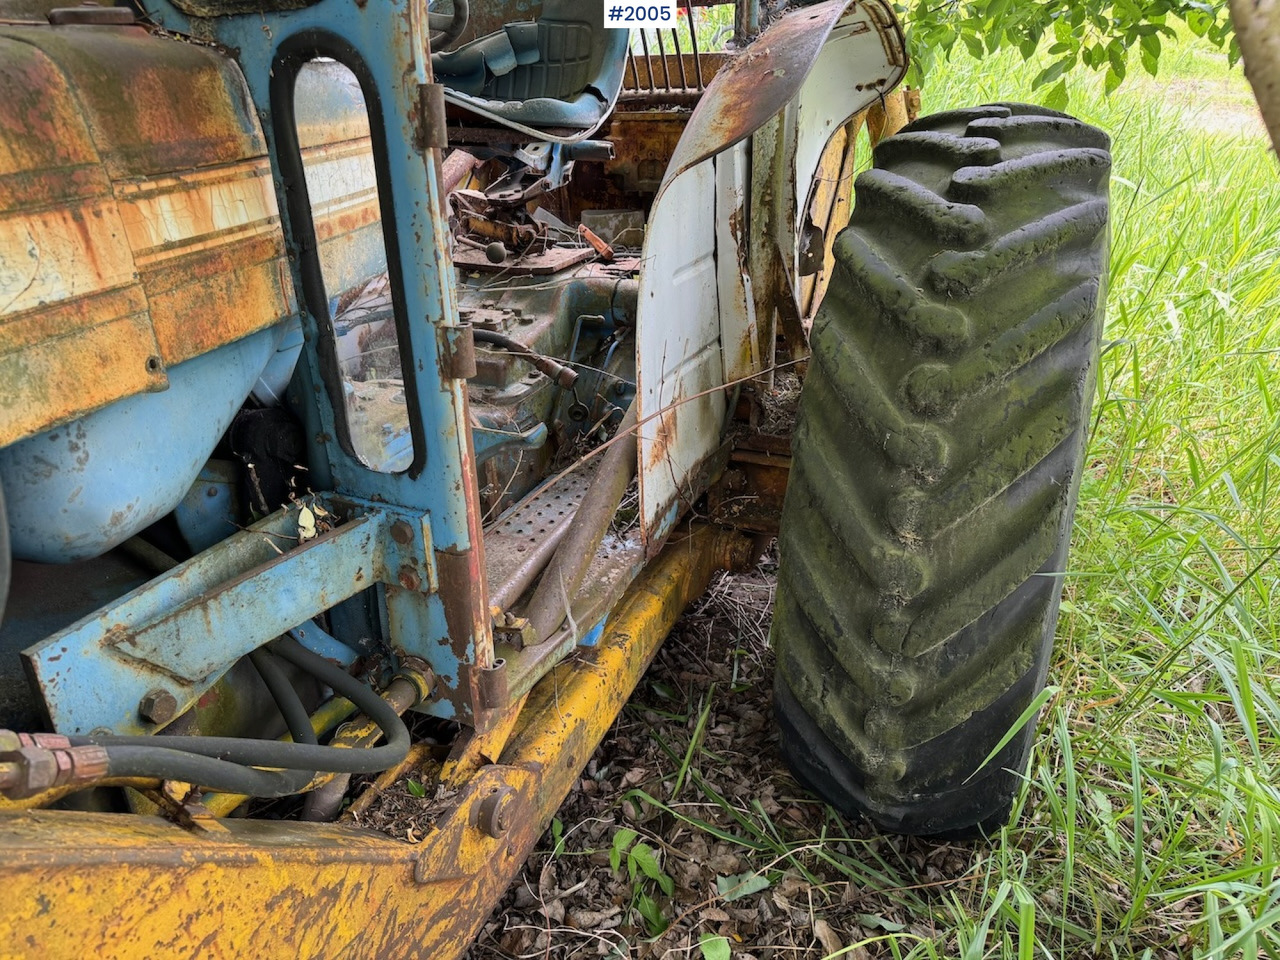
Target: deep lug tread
[
  {"x": 962, "y": 274},
  {"x": 936, "y": 460},
  {"x": 1084, "y": 169},
  {"x": 950, "y": 118},
  {"x": 935, "y": 389},
  {"x": 935, "y": 145},
  {"x": 1013, "y": 131},
  {"x": 935, "y": 325},
  {"x": 886, "y": 194}
]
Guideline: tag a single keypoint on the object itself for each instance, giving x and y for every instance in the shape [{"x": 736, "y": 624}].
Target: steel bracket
[{"x": 174, "y": 637}]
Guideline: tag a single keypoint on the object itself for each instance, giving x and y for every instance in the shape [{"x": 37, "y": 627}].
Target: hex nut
[
  {"x": 158, "y": 706},
  {"x": 408, "y": 578},
  {"x": 39, "y": 769}
]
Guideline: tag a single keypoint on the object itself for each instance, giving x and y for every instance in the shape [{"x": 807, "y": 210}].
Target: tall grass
[{"x": 1150, "y": 822}]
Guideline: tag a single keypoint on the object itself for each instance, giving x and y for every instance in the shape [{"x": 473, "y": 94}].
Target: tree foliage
[{"x": 1105, "y": 35}]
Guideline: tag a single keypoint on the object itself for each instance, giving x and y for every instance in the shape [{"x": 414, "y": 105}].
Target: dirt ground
[{"x": 686, "y": 837}]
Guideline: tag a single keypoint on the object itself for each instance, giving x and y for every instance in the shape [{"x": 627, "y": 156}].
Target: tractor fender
[
  {"x": 754, "y": 87},
  {"x": 721, "y": 250}
]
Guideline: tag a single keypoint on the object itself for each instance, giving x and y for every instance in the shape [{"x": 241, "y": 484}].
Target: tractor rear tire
[{"x": 936, "y": 461}]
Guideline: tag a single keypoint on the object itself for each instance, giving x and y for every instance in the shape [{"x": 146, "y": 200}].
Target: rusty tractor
[{"x": 380, "y": 379}]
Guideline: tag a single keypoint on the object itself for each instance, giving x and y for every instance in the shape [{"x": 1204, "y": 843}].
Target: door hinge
[
  {"x": 432, "y": 132},
  {"x": 457, "y": 352}
]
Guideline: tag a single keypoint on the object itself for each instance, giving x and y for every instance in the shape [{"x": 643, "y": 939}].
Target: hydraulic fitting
[{"x": 33, "y": 763}]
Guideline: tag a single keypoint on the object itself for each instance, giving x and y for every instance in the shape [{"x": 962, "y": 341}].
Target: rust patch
[
  {"x": 754, "y": 86},
  {"x": 137, "y": 216}
]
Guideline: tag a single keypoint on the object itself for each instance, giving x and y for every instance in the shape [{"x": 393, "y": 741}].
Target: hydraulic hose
[
  {"x": 290, "y": 706},
  {"x": 286, "y": 697},
  {"x": 270, "y": 753},
  {"x": 158, "y": 762},
  {"x": 553, "y": 368}
]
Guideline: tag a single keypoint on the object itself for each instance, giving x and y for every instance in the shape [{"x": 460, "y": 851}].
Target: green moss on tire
[{"x": 937, "y": 457}]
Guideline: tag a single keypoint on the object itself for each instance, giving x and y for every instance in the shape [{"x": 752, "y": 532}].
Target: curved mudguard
[{"x": 722, "y": 246}]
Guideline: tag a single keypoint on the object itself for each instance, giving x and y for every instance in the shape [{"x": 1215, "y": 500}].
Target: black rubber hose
[
  {"x": 152, "y": 761},
  {"x": 292, "y": 756},
  {"x": 286, "y": 697},
  {"x": 290, "y": 705}
]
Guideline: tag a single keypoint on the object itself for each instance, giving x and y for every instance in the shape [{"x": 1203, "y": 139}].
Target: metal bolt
[
  {"x": 402, "y": 533},
  {"x": 493, "y": 817},
  {"x": 409, "y": 578},
  {"x": 158, "y": 706}
]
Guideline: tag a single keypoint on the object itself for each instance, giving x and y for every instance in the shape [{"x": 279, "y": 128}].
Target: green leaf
[
  {"x": 713, "y": 947},
  {"x": 1111, "y": 82},
  {"x": 1116, "y": 56},
  {"x": 741, "y": 885},
  {"x": 1056, "y": 99},
  {"x": 1053, "y": 71},
  {"x": 1198, "y": 22},
  {"x": 642, "y": 855},
  {"x": 653, "y": 918},
  {"x": 974, "y": 44},
  {"x": 621, "y": 840},
  {"x": 664, "y": 690},
  {"x": 874, "y": 921},
  {"x": 415, "y": 788},
  {"x": 1150, "y": 52},
  {"x": 1028, "y": 715}
]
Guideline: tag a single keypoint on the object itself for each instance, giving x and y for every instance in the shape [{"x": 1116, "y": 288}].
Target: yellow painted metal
[
  {"x": 829, "y": 207},
  {"x": 476, "y": 749},
  {"x": 80, "y": 885}
]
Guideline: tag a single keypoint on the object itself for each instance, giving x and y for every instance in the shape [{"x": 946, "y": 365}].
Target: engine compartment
[{"x": 554, "y": 325}]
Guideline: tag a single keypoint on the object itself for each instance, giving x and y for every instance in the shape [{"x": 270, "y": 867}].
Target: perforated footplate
[{"x": 518, "y": 545}]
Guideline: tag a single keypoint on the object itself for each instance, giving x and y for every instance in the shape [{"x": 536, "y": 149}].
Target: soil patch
[{"x": 686, "y": 837}]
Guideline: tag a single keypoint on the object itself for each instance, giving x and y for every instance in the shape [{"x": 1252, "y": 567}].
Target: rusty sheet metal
[
  {"x": 132, "y": 887},
  {"x": 519, "y": 545},
  {"x": 749, "y": 494},
  {"x": 55, "y": 196},
  {"x": 722, "y": 288},
  {"x": 828, "y": 212},
  {"x": 756, "y": 84},
  {"x": 137, "y": 216}
]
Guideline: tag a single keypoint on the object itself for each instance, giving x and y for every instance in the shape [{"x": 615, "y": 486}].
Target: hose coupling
[
  {"x": 33, "y": 763},
  {"x": 416, "y": 672}
]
